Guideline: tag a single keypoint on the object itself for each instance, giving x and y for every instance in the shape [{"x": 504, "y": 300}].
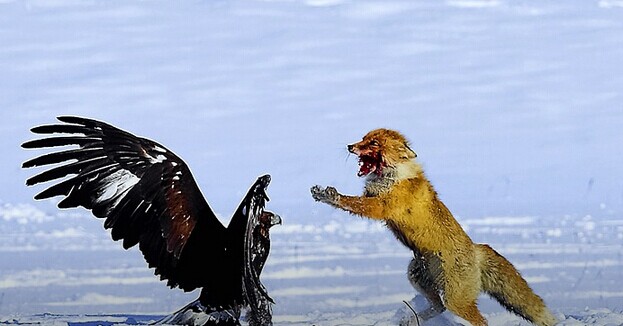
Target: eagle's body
[{"x": 148, "y": 196}]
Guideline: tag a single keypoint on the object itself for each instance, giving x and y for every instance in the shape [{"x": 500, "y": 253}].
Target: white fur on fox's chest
[{"x": 379, "y": 184}]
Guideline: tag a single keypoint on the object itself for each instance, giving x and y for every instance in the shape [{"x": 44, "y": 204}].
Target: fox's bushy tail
[{"x": 502, "y": 281}]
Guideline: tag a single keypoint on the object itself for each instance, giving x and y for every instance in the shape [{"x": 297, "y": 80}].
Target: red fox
[{"x": 448, "y": 268}]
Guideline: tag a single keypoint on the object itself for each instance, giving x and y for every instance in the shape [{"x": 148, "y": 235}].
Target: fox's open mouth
[{"x": 370, "y": 164}]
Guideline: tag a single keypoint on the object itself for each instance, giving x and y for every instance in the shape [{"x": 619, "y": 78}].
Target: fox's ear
[{"x": 410, "y": 153}]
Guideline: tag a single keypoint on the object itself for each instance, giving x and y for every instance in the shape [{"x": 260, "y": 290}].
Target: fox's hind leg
[
  {"x": 461, "y": 290},
  {"x": 425, "y": 283}
]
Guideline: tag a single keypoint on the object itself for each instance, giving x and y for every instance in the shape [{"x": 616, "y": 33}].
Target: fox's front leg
[{"x": 371, "y": 207}]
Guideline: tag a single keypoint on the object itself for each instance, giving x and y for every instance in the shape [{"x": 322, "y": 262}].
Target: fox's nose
[{"x": 351, "y": 148}]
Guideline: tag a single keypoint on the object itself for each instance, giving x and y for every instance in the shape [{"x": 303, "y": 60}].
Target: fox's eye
[{"x": 374, "y": 143}]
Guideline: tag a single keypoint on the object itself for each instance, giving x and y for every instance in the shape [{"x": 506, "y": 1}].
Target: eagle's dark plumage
[{"x": 148, "y": 196}]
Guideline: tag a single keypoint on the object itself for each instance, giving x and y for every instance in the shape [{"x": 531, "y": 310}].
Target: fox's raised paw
[{"x": 326, "y": 195}]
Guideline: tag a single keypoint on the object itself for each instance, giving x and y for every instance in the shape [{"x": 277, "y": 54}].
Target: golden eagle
[{"x": 148, "y": 196}]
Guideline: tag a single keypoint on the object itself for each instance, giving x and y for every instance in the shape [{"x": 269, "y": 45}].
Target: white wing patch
[
  {"x": 115, "y": 186},
  {"x": 158, "y": 159}
]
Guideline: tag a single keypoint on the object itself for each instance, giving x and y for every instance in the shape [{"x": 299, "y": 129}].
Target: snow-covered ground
[
  {"x": 344, "y": 270},
  {"x": 514, "y": 108}
]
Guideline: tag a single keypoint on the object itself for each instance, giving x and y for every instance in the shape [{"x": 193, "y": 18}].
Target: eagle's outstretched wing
[{"x": 145, "y": 192}]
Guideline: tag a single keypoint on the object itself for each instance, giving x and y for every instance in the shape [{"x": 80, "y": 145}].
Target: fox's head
[{"x": 380, "y": 149}]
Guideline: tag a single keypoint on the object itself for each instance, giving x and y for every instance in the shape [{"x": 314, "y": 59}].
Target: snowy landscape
[{"x": 515, "y": 109}]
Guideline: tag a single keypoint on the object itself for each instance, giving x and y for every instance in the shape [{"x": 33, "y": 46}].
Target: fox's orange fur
[{"x": 448, "y": 268}]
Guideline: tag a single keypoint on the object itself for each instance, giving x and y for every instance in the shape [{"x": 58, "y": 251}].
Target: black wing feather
[
  {"x": 60, "y": 129},
  {"x": 59, "y": 157},
  {"x": 67, "y": 169},
  {"x": 145, "y": 192},
  {"x": 60, "y": 141}
]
